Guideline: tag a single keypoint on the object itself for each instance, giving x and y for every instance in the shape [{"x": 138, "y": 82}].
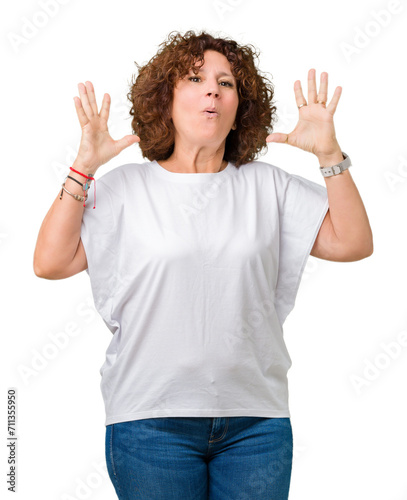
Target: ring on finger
[{"x": 301, "y": 105}]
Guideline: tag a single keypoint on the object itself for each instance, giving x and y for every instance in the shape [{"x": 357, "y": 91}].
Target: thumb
[
  {"x": 126, "y": 141},
  {"x": 277, "y": 137}
]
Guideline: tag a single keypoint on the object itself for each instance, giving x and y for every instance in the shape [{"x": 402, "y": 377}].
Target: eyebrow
[{"x": 221, "y": 73}]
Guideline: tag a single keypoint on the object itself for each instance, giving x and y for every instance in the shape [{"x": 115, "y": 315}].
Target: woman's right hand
[{"x": 97, "y": 146}]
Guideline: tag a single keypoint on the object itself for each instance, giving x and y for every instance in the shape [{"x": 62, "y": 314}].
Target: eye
[{"x": 197, "y": 77}]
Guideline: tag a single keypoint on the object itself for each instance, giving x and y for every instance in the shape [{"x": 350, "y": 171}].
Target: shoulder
[
  {"x": 109, "y": 187},
  {"x": 121, "y": 178},
  {"x": 264, "y": 171},
  {"x": 287, "y": 187},
  {"x": 281, "y": 176},
  {"x": 262, "y": 166},
  {"x": 117, "y": 174}
]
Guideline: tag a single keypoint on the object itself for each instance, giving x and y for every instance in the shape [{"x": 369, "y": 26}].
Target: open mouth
[{"x": 211, "y": 113}]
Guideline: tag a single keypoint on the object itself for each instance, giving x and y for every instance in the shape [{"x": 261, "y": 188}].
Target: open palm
[
  {"x": 315, "y": 131},
  {"x": 97, "y": 146}
]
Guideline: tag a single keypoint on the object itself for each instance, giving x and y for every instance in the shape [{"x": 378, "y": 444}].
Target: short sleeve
[
  {"x": 303, "y": 205},
  {"x": 98, "y": 235}
]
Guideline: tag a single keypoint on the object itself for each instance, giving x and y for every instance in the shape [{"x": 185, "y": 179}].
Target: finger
[
  {"x": 312, "y": 86},
  {"x": 83, "y": 119},
  {"x": 299, "y": 96},
  {"x": 126, "y": 141},
  {"x": 335, "y": 99},
  {"x": 323, "y": 88},
  {"x": 104, "y": 110},
  {"x": 85, "y": 100},
  {"x": 91, "y": 97},
  {"x": 280, "y": 137}
]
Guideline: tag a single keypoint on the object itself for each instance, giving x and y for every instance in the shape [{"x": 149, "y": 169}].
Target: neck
[{"x": 195, "y": 160}]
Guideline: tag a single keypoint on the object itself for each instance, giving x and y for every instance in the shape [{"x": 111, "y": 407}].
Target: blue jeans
[{"x": 194, "y": 458}]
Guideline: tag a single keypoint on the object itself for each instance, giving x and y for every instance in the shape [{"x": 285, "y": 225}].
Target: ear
[{"x": 234, "y": 126}]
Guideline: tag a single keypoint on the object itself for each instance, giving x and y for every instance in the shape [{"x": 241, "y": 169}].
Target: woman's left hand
[{"x": 315, "y": 130}]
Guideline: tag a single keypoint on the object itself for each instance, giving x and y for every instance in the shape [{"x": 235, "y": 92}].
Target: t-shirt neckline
[{"x": 189, "y": 176}]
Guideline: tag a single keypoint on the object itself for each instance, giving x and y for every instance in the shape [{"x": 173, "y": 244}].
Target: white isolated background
[{"x": 349, "y": 440}]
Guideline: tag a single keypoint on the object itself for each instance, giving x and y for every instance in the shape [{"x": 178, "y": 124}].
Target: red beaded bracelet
[{"x": 91, "y": 178}]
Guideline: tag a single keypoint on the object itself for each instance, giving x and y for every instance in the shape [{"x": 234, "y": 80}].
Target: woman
[{"x": 195, "y": 258}]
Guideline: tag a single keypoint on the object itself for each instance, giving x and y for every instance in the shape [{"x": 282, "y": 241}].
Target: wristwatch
[{"x": 338, "y": 168}]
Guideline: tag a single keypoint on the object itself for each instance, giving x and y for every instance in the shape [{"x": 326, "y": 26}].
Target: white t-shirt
[{"x": 194, "y": 274}]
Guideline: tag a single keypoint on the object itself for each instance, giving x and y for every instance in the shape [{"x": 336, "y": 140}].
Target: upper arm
[
  {"x": 323, "y": 243},
  {"x": 78, "y": 263},
  {"x": 327, "y": 245}
]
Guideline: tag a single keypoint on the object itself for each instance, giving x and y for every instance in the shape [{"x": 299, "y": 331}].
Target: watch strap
[{"x": 338, "y": 168}]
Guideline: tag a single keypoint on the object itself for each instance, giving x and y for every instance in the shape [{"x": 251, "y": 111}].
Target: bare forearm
[
  {"x": 348, "y": 215},
  {"x": 59, "y": 234}
]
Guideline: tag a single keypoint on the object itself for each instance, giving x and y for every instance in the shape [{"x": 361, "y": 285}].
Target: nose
[{"x": 213, "y": 89}]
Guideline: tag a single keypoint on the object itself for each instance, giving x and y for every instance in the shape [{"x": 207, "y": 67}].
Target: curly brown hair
[{"x": 151, "y": 96}]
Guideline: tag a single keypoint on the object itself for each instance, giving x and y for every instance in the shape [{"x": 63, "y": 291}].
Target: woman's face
[{"x": 213, "y": 86}]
